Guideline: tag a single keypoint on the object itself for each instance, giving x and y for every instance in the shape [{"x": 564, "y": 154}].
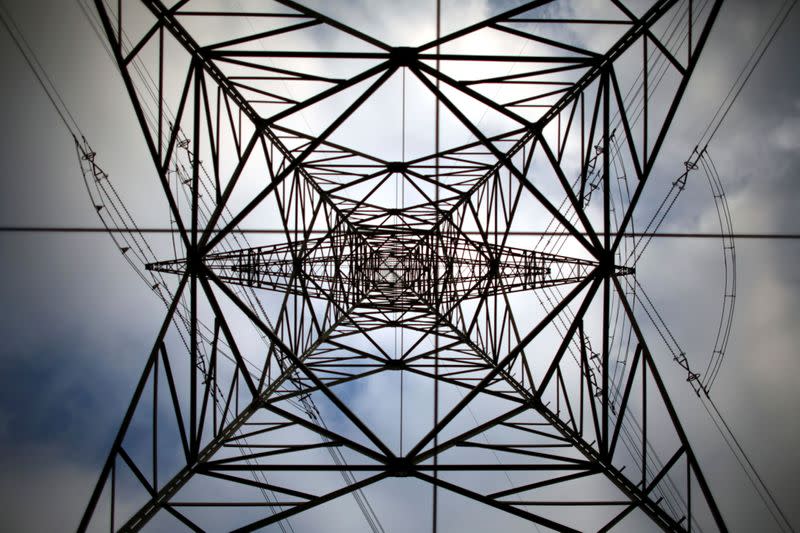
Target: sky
[{"x": 77, "y": 322}]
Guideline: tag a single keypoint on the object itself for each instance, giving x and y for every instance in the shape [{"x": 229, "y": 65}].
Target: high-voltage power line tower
[{"x": 438, "y": 304}]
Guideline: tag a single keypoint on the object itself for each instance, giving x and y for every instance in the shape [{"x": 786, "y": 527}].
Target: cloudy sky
[{"x": 77, "y": 322}]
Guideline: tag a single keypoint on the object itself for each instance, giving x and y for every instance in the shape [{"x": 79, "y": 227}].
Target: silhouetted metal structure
[{"x": 536, "y": 392}]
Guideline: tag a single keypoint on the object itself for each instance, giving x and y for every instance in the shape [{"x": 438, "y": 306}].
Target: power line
[
  {"x": 747, "y": 71},
  {"x": 280, "y": 231},
  {"x": 39, "y": 72}
]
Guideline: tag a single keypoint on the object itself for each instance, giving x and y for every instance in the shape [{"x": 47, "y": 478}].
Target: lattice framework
[{"x": 263, "y": 343}]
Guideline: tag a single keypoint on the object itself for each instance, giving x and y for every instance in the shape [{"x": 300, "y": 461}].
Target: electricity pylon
[{"x": 461, "y": 318}]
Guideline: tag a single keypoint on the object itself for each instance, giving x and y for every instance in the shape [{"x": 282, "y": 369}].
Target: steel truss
[{"x": 244, "y": 391}]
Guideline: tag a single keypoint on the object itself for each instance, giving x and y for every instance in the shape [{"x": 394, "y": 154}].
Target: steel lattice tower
[{"x": 522, "y": 350}]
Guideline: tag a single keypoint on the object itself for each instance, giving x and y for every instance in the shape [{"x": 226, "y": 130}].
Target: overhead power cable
[
  {"x": 39, "y": 72},
  {"x": 511, "y": 233},
  {"x": 747, "y": 71},
  {"x": 747, "y": 466}
]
